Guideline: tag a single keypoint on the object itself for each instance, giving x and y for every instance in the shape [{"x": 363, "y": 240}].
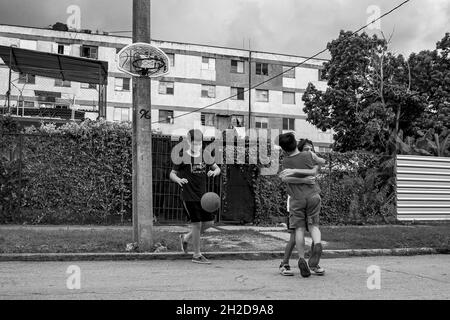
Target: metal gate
[
  {"x": 167, "y": 205},
  {"x": 423, "y": 188}
]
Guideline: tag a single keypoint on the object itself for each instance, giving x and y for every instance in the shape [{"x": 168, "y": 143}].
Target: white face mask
[{"x": 196, "y": 147}]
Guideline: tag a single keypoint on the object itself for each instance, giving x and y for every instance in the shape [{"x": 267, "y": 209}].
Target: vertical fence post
[
  {"x": 20, "y": 175},
  {"x": 329, "y": 174}
]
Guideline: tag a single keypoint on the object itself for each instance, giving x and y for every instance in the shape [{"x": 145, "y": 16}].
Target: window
[
  {"x": 290, "y": 72},
  {"x": 288, "y": 124},
  {"x": 26, "y": 104},
  {"x": 171, "y": 57},
  {"x": 237, "y": 121},
  {"x": 61, "y": 48},
  {"x": 208, "y": 91},
  {"x": 321, "y": 75},
  {"x": 288, "y": 97},
  {"x": 262, "y": 69},
  {"x": 208, "y": 119},
  {"x": 27, "y": 78},
  {"x": 121, "y": 114},
  {"x": 122, "y": 84},
  {"x": 165, "y": 116},
  {"x": 324, "y": 149},
  {"x": 237, "y": 66},
  {"x": 262, "y": 95},
  {"x": 88, "y": 86},
  {"x": 166, "y": 87},
  {"x": 61, "y": 83},
  {"x": 208, "y": 63},
  {"x": 88, "y": 108},
  {"x": 261, "y": 123},
  {"x": 89, "y": 52},
  {"x": 237, "y": 93}
]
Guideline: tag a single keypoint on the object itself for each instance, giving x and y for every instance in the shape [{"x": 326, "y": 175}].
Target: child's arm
[
  {"x": 318, "y": 160},
  {"x": 300, "y": 173},
  {"x": 174, "y": 177},
  {"x": 215, "y": 170},
  {"x": 293, "y": 180}
]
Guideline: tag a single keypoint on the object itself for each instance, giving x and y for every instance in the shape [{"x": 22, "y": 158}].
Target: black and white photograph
[{"x": 225, "y": 156}]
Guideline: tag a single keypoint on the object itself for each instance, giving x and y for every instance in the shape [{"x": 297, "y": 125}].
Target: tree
[
  {"x": 369, "y": 99},
  {"x": 430, "y": 72},
  {"x": 59, "y": 26}
]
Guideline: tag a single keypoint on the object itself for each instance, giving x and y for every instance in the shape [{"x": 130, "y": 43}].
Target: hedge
[{"x": 81, "y": 174}]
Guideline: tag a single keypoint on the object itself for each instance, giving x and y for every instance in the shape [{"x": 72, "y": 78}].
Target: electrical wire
[{"x": 287, "y": 70}]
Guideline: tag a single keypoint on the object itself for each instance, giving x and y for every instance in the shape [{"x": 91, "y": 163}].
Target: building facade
[{"x": 200, "y": 76}]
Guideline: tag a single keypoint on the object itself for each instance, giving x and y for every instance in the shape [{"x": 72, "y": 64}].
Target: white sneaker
[{"x": 285, "y": 270}]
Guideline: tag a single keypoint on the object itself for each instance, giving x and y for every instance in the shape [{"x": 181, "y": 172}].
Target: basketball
[{"x": 210, "y": 201}]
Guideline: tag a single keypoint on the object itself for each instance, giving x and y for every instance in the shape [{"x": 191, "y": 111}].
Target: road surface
[{"x": 412, "y": 277}]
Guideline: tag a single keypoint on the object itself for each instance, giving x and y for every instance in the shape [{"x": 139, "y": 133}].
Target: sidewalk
[{"x": 219, "y": 242}]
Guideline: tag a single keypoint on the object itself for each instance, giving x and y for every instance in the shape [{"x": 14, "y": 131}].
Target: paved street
[{"x": 417, "y": 277}]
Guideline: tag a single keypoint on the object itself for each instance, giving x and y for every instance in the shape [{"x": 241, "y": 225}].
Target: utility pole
[
  {"x": 249, "y": 86},
  {"x": 142, "y": 138}
]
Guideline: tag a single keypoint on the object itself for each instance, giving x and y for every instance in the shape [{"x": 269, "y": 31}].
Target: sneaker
[
  {"x": 318, "y": 271},
  {"x": 285, "y": 270},
  {"x": 315, "y": 255},
  {"x": 201, "y": 260},
  {"x": 183, "y": 244},
  {"x": 304, "y": 269}
]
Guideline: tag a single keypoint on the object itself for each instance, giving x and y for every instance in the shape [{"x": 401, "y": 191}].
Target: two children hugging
[{"x": 300, "y": 165}]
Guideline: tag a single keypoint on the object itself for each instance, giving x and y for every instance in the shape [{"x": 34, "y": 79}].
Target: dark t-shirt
[
  {"x": 196, "y": 174},
  {"x": 302, "y": 160}
]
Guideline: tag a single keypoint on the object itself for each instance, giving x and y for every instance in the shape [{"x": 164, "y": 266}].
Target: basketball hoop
[{"x": 143, "y": 60}]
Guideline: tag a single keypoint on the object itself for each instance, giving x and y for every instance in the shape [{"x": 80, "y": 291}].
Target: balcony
[{"x": 44, "y": 113}]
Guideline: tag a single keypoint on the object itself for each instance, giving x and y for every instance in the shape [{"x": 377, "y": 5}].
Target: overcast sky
[{"x": 296, "y": 27}]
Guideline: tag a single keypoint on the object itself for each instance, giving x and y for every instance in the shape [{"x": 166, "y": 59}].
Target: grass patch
[
  {"x": 41, "y": 240},
  {"x": 387, "y": 237},
  {"x": 110, "y": 240}
]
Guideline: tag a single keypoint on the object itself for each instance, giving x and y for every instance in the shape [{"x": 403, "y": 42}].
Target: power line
[{"x": 287, "y": 70}]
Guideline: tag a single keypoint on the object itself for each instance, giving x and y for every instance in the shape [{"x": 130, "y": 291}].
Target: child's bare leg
[
  {"x": 300, "y": 241},
  {"x": 315, "y": 234},
  {"x": 196, "y": 238},
  {"x": 187, "y": 236},
  {"x": 289, "y": 248},
  {"x": 206, "y": 225}
]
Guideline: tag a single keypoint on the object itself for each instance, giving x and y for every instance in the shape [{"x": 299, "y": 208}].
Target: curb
[{"x": 245, "y": 255}]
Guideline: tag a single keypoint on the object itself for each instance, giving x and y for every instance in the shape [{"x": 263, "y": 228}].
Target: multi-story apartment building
[{"x": 200, "y": 76}]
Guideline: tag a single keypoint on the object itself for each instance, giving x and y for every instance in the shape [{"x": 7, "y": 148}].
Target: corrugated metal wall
[{"x": 423, "y": 188}]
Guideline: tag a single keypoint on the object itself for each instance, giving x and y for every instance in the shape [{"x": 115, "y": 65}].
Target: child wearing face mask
[{"x": 191, "y": 176}]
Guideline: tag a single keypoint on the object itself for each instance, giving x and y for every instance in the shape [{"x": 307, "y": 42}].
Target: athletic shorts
[
  {"x": 195, "y": 212},
  {"x": 304, "y": 211}
]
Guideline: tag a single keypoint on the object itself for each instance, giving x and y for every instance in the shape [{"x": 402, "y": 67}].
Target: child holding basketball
[
  {"x": 191, "y": 176},
  {"x": 304, "y": 202}
]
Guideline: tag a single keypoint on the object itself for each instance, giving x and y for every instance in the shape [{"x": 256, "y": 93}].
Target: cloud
[{"x": 283, "y": 26}]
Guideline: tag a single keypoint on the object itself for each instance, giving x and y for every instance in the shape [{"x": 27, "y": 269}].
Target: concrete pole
[{"x": 142, "y": 138}]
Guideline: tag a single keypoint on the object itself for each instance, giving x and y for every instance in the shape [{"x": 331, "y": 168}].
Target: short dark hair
[
  {"x": 302, "y": 143},
  {"x": 195, "y": 134},
  {"x": 287, "y": 142}
]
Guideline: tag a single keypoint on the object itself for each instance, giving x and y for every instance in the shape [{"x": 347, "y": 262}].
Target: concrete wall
[{"x": 188, "y": 76}]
